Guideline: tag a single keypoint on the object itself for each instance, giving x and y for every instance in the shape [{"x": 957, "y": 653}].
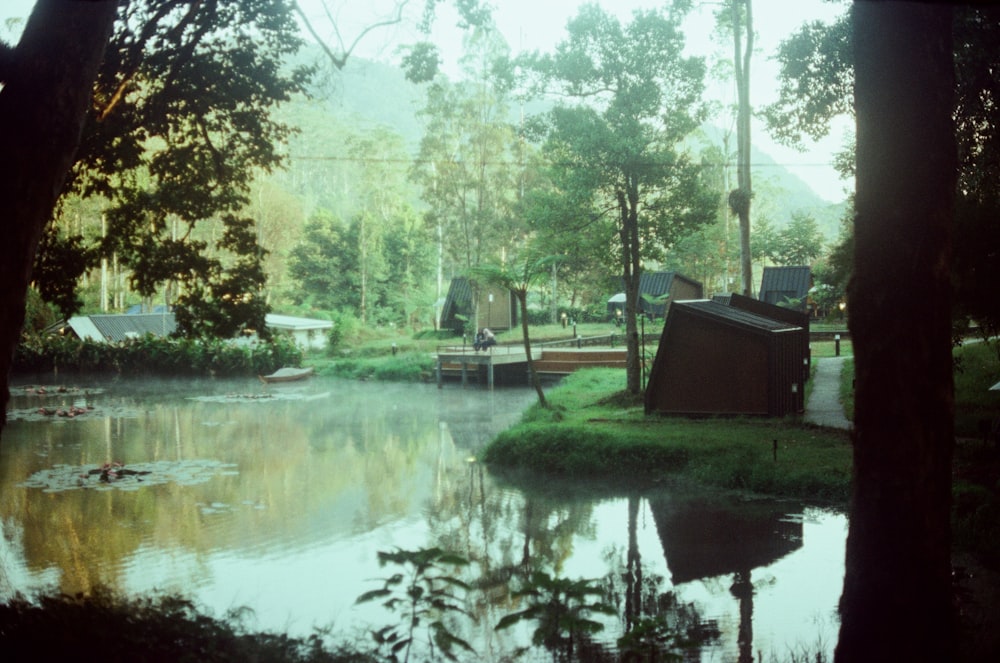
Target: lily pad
[{"x": 61, "y": 478}]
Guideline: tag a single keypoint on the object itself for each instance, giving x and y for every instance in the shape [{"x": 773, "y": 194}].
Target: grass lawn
[{"x": 592, "y": 432}]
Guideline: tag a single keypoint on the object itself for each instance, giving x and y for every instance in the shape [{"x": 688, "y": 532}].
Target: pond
[{"x": 280, "y": 497}]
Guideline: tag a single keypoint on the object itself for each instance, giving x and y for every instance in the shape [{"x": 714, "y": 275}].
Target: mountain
[{"x": 365, "y": 95}]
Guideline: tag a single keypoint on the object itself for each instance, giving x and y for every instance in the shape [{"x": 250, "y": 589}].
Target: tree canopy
[
  {"x": 817, "y": 85},
  {"x": 182, "y": 120},
  {"x": 628, "y": 98}
]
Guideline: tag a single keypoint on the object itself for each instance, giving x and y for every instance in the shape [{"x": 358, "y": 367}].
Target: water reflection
[{"x": 280, "y": 500}]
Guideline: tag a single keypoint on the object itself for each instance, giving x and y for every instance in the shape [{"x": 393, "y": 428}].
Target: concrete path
[{"x": 823, "y": 408}]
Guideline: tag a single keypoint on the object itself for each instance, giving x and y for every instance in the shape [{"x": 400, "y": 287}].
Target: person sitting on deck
[{"x": 484, "y": 339}]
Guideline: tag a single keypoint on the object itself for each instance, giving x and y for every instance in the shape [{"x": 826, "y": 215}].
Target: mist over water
[{"x": 280, "y": 497}]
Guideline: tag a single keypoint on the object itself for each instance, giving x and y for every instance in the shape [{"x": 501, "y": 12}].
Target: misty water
[{"x": 279, "y": 498}]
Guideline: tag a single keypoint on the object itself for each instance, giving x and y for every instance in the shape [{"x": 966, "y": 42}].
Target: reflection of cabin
[
  {"x": 705, "y": 539},
  {"x": 718, "y": 359},
  {"x": 308, "y": 333},
  {"x": 497, "y": 306},
  {"x": 786, "y": 286},
  {"x": 654, "y": 285}
]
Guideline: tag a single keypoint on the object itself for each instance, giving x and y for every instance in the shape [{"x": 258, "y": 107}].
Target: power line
[{"x": 409, "y": 162}]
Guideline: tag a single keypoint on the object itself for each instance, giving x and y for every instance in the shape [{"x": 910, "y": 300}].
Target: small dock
[{"x": 511, "y": 359}]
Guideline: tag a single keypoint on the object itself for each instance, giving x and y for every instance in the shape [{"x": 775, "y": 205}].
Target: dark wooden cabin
[
  {"x": 782, "y": 313},
  {"x": 718, "y": 359}
]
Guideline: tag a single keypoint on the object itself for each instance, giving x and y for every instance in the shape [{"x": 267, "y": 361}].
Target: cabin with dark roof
[
  {"x": 718, "y": 359},
  {"x": 652, "y": 287},
  {"x": 787, "y": 287},
  {"x": 497, "y": 306}
]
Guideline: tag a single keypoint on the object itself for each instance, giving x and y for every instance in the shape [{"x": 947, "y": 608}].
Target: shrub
[{"x": 149, "y": 354}]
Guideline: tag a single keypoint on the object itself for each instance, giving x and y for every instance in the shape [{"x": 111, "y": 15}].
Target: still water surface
[{"x": 280, "y": 498}]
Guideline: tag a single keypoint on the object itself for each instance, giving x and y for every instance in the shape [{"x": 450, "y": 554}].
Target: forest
[
  {"x": 162, "y": 122},
  {"x": 367, "y": 192}
]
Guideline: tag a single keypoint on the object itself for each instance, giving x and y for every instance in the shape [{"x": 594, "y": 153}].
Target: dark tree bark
[
  {"x": 47, "y": 84},
  {"x": 896, "y": 603}
]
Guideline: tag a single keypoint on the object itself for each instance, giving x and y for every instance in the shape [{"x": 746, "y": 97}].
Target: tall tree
[
  {"x": 740, "y": 199},
  {"x": 321, "y": 262},
  {"x": 47, "y": 80},
  {"x": 897, "y": 600},
  {"x": 467, "y": 164},
  {"x": 616, "y": 151}
]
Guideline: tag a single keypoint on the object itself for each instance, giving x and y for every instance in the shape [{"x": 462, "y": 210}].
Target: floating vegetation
[
  {"x": 271, "y": 396},
  {"x": 69, "y": 413},
  {"x": 115, "y": 475},
  {"x": 233, "y": 398},
  {"x": 55, "y": 390}
]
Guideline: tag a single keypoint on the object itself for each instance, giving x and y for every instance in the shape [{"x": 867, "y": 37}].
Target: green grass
[
  {"x": 977, "y": 368},
  {"x": 593, "y": 432}
]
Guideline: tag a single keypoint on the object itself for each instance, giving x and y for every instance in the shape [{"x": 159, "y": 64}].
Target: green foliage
[
  {"x": 181, "y": 122},
  {"x": 469, "y": 160},
  {"x": 424, "y": 596},
  {"x": 653, "y": 639},
  {"x": 156, "y": 356},
  {"x": 816, "y": 81},
  {"x": 592, "y": 433},
  {"x": 160, "y": 628},
  {"x": 798, "y": 243},
  {"x": 561, "y": 609},
  {"x": 37, "y": 314},
  {"x": 626, "y": 99},
  {"x": 62, "y": 259}
]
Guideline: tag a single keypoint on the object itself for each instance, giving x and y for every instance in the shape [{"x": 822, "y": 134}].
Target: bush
[{"x": 149, "y": 354}]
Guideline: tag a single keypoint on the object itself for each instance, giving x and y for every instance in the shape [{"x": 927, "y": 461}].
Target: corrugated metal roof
[
  {"x": 116, "y": 328},
  {"x": 777, "y": 283},
  {"x": 657, "y": 284},
  {"x": 735, "y": 316},
  {"x": 275, "y": 321},
  {"x": 119, "y": 327},
  {"x": 459, "y": 300}
]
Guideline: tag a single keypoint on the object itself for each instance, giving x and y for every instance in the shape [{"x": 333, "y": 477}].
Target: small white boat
[{"x": 287, "y": 375}]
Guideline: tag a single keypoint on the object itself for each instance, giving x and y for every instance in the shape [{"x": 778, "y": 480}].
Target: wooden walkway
[{"x": 548, "y": 361}]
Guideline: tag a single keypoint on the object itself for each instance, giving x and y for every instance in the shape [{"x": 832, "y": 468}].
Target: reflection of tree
[
  {"x": 350, "y": 463},
  {"x": 654, "y": 621}
]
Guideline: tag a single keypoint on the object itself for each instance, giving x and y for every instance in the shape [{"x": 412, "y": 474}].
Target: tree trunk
[
  {"x": 896, "y": 603},
  {"x": 631, "y": 275},
  {"x": 522, "y": 300},
  {"x": 46, "y": 94},
  {"x": 741, "y": 202}
]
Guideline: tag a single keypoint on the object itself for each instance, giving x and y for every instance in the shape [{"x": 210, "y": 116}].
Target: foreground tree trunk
[
  {"x": 47, "y": 84},
  {"x": 896, "y": 603}
]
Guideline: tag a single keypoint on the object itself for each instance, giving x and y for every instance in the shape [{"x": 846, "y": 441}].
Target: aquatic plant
[
  {"x": 424, "y": 595},
  {"x": 561, "y": 609}
]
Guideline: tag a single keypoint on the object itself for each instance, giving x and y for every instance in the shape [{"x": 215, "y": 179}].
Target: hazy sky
[{"x": 540, "y": 24}]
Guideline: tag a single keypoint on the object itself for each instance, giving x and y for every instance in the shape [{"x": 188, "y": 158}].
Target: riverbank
[{"x": 591, "y": 431}]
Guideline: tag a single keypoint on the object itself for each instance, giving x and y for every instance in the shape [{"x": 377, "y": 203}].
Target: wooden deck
[{"x": 465, "y": 362}]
